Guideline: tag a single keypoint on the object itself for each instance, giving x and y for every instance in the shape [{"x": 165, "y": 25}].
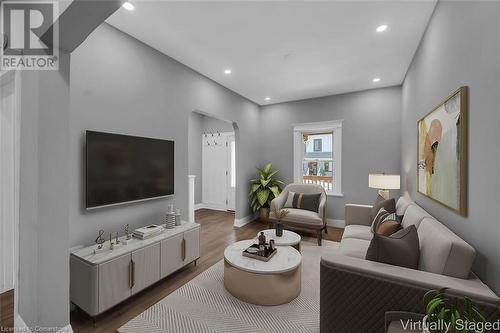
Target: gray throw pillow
[
  {"x": 303, "y": 201},
  {"x": 389, "y": 205},
  {"x": 399, "y": 249}
]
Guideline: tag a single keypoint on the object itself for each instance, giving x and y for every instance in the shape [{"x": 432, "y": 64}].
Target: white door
[
  {"x": 214, "y": 168},
  {"x": 231, "y": 173}
]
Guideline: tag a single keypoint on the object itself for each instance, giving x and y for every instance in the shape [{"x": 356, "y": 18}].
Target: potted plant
[
  {"x": 263, "y": 190},
  {"x": 449, "y": 315}
]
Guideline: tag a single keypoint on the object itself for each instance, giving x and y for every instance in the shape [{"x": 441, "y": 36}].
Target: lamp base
[{"x": 384, "y": 194}]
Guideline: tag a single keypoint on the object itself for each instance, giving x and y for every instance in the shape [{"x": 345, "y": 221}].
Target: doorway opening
[{"x": 212, "y": 159}]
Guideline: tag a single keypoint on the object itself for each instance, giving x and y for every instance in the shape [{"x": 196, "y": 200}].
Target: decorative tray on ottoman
[{"x": 254, "y": 252}]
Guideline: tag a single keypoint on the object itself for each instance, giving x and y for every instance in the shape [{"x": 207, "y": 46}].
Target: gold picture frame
[{"x": 442, "y": 152}]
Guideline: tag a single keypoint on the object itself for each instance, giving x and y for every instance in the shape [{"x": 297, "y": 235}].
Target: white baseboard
[
  {"x": 202, "y": 205},
  {"x": 335, "y": 223},
  {"x": 20, "y": 326},
  {"x": 244, "y": 221}
]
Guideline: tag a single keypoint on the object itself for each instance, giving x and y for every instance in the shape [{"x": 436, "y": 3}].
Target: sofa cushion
[
  {"x": 302, "y": 216},
  {"x": 358, "y": 231},
  {"x": 389, "y": 205},
  {"x": 443, "y": 252},
  {"x": 354, "y": 247},
  {"x": 400, "y": 249},
  {"x": 387, "y": 227},
  {"x": 303, "y": 201},
  {"x": 414, "y": 215},
  {"x": 402, "y": 204},
  {"x": 379, "y": 217}
]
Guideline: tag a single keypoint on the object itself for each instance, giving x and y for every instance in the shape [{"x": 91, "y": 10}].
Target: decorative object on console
[
  {"x": 442, "y": 153},
  {"x": 178, "y": 217},
  {"x": 170, "y": 217},
  {"x": 127, "y": 232},
  {"x": 263, "y": 190},
  {"x": 99, "y": 240},
  {"x": 148, "y": 231},
  {"x": 384, "y": 183},
  {"x": 399, "y": 249}
]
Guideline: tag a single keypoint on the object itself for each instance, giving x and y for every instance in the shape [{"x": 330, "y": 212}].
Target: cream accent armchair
[{"x": 301, "y": 218}]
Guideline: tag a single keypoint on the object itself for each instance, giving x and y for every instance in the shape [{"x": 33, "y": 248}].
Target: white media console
[{"x": 101, "y": 280}]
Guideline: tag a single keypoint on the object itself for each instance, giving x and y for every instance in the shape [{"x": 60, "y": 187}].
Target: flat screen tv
[{"x": 124, "y": 168}]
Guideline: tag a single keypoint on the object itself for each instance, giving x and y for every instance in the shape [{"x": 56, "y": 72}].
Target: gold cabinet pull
[
  {"x": 183, "y": 249},
  {"x": 131, "y": 272}
]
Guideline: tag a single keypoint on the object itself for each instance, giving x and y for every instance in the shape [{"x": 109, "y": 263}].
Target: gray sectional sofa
[{"x": 356, "y": 293}]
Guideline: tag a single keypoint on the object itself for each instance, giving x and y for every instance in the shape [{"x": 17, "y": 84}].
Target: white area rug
[{"x": 204, "y": 305}]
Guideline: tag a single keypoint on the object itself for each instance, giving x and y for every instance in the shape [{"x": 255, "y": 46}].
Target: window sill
[{"x": 333, "y": 194}]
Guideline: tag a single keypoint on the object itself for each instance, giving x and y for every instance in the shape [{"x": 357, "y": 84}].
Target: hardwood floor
[
  {"x": 217, "y": 232},
  {"x": 7, "y": 311}
]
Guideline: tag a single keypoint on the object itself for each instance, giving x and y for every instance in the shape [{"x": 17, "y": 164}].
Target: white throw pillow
[{"x": 289, "y": 200}]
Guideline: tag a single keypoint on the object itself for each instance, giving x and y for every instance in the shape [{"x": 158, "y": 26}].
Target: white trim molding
[
  {"x": 191, "y": 205},
  {"x": 335, "y": 223},
  {"x": 20, "y": 326},
  {"x": 244, "y": 221},
  {"x": 334, "y": 126}
]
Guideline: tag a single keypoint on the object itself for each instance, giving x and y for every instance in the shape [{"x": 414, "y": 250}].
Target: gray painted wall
[
  {"x": 370, "y": 142},
  {"x": 460, "y": 48},
  {"x": 198, "y": 125},
  {"x": 108, "y": 94}
]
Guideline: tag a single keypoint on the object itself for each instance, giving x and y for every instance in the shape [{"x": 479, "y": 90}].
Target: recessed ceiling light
[
  {"x": 268, "y": 98},
  {"x": 382, "y": 28},
  {"x": 227, "y": 71},
  {"x": 377, "y": 79},
  {"x": 128, "y": 6}
]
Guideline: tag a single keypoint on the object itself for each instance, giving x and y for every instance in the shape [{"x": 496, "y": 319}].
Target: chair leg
[{"x": 319, "y": 235}]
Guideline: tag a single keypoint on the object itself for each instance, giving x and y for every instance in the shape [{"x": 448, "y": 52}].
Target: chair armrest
[
  {"x": 472, "y": 287},
  {"x": 358, "y": 214},
  {"x": 322, "y": 208},
  {"x": 279, "y": 202},
  {"x": 353, "y": 286}
]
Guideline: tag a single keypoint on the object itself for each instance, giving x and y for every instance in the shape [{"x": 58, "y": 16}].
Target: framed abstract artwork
[{"x": 442, "y": 153}]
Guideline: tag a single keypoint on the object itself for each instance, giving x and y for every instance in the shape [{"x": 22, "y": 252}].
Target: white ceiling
[{"x": 286, "y": 50}]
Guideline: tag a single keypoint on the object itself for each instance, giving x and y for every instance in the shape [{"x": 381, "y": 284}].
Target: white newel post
[{"x": 191, "y": 198}]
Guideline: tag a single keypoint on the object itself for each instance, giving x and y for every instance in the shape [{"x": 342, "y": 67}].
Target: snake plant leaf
[
  {"x": 276, "y": 191},
  {"x": 255, "y": 187},
  {"x": 272, "y": 174},
  {"x": 267, "y": 168},
  {"x": 262, "y": 195},
  {"x": 265, "y": 182}
]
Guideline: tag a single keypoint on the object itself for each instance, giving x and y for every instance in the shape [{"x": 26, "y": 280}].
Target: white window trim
[{"x": 334, "y": 126}]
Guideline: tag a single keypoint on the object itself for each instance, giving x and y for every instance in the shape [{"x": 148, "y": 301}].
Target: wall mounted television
[{"x": 123, "y": 168}]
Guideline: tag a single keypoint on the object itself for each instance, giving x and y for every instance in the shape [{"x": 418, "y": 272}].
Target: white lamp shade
[{"x": 383, "y": 181}]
